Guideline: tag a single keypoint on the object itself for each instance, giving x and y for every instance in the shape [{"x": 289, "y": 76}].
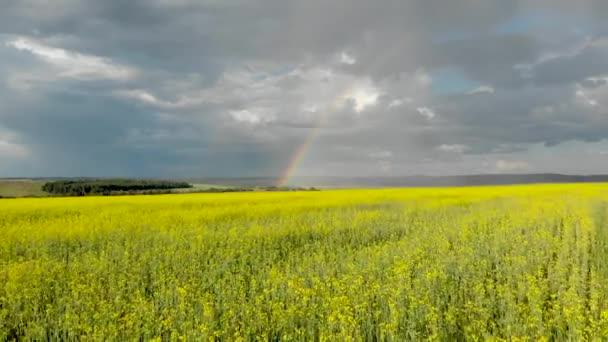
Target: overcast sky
[{"x": 177, "y": 88}]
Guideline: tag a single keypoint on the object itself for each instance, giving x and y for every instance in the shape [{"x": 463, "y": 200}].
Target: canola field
[{"x": 479, "y": 263}]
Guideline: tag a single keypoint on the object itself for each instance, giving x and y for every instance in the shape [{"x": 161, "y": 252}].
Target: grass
[
  {"x": 498, "y": 263},
  {"x": 21, "y": 188},
  {"x": 203, "y": 187},
  {"x": 210, "y": 186}
]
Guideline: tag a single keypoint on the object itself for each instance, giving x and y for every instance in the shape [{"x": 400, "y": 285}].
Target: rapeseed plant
[{"x": 491, "y": 263}]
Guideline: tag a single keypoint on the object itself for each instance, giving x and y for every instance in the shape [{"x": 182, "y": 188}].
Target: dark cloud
[
  {"x": 489, "y": 58},
  {"x": 590, "y": 61},
  {"x": 217, "y": 88},
  {"x": 593, "y": 83}
]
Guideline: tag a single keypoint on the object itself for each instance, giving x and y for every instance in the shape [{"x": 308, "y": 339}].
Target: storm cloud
[{"x": 233, "y": 88}]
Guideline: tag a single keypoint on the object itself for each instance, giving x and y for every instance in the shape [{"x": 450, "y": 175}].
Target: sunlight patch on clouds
[
  {"x": 73, "y": 64},
  {"x": 364, "y": 95},
  {"x": 308, "y": 89}
]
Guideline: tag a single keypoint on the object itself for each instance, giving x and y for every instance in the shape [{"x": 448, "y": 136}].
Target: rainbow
[
  {"x": 300, "y": 152},
  {"x": 298, "y": 155}
]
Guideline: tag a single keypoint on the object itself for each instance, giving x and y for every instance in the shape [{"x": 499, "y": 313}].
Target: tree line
[{"x": 109, "y": 187}]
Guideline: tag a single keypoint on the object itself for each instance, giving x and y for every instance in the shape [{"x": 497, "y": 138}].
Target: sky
[{"x": 247, "y": 88}]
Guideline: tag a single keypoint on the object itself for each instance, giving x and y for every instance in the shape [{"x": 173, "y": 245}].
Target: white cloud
[
  {"x": 526, "y": 70},
  {"x": 250, "y": 116},
  {"x": 505, "y": 165},
  {"x": 399, "y": 102},
  {"x": 140, "y": 95},
  {"x": 597, "y": 79},
  {"x": 396, "y": 103},
  {"x": 146, "y": 97},
  {"x": 585, "y": 98},
  {"x": 426, "y": 112},
  {"x": 310, "y": 108},
  {"x": 348, "y": 59},
  {"x": 453, "y": 148},
  {"x": 484, "y": 89},
  {"x": 310, "y": 89},
  {"x": 423, "y": 78},
  {"x": 571, "y": 50},
  {"x": 75, "y": 65}
]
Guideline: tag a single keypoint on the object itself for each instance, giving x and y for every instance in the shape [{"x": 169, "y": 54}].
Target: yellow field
[{"x": 407, "y": 264}]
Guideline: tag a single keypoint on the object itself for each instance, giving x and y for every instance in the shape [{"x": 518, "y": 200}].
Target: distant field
[
  {"x": 33, "y": 188},
  {"x": 21, "y": 188},
  {"x": 520, "y": 263},
  {"x": 203, "y": 187}
]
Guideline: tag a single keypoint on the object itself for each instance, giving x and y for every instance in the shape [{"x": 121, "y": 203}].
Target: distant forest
[{"x": 108, "y": 187}]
